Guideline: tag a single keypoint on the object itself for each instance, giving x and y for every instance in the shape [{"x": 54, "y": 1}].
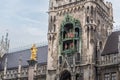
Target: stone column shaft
[{"x": 31, "y": 70}]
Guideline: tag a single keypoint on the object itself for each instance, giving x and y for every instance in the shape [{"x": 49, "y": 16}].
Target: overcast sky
[{"x": 27, "y": 20}]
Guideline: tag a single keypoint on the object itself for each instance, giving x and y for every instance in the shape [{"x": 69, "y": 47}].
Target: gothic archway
[{"x": 65, "y": 75}]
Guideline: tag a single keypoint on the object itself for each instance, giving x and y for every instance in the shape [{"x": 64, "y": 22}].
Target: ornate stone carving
[{"x": 4, "y": 45}]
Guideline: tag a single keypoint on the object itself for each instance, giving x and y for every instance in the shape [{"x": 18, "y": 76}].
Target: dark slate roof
[
  {"x": 13, "y": 58},
  {"x": 111, "y": 46}
]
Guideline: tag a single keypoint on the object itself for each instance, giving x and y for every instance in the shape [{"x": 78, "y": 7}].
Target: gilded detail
[{"x": 33, "y": 52}]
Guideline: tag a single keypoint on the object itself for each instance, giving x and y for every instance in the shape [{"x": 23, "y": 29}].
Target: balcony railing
[
  {"x": 113, "y": 60},
  {"x": 13, "y": 74},
  {"x": 109, "y": 61}
]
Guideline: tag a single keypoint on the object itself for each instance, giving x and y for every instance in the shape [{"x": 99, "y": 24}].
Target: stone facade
[
  {"x": 15, "y": 66},
  {"x": 71, "y": 57},
  {"x": 14, "y": 74},
  {"x": 81, "y": 45}
]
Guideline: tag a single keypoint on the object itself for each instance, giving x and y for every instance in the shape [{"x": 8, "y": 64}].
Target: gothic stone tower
[{"x": 77, "y": 32}]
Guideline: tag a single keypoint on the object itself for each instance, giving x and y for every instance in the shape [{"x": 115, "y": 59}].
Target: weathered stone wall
[{"x": 96, "y": 23}]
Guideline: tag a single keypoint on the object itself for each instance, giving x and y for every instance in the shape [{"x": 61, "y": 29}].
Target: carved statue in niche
[{"x": 66, "y": 46}]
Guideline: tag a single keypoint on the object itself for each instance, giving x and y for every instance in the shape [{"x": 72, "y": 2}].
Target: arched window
[
  {"x": 54, "y": 28},
  {"x": 54, "y": 18},
  {"x": 100, "y": 44},
  {"x": 87, "y": 9},
  {"x": 50, "y": 18},
  {"x": 60, "y": 59},
  {"x": 78, "y": 57},
  {"x": 77, "y": 32}
]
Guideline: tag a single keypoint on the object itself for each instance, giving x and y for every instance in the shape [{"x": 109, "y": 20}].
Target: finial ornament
[{"x": 33, "y": 52}]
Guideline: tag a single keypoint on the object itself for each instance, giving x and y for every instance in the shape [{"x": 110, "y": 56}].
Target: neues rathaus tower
[{"x": 77, "y": 33}]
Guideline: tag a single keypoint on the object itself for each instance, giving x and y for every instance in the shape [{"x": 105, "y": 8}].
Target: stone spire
[
  {"x": 2, "y": 39},
  {"x": 5, "y": 68},
  {"x": 4, "y": 45},
  {"x": 119, "y": 44},
  {"x": 19, "y": 67}
]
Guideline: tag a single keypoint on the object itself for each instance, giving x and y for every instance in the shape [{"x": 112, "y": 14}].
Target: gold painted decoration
[{"x": 33, "y": 52}]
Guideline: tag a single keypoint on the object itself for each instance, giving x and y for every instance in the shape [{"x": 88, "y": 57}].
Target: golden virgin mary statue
[{"x": 33, "y": 52}]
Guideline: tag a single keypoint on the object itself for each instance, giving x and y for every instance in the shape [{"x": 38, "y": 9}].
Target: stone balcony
[{"x": 108, "y": 62}]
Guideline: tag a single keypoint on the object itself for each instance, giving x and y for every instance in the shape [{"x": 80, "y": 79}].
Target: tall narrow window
[
  {"x": 87, "y": 37},
  {"x": 87, "y": 19},
  {"x": 91, "y": 10},
  {"x": 113, "y": 76},
  {"x": 60, "y": 59},
  {"x": 100, "y": 44},
  {"x": 87, "y": 9},
  {"x": 77, "y": 58},
  {"x": 52, "y": 4},
  {"x": 51, "y": 18},
  {"x": 54, "y": 28},
  {"x": 54, "y": 18},
  {"x": 107, "y": 76}
]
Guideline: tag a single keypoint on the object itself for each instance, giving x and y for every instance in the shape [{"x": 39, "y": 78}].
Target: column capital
[{"x": 32, "y": 62}]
